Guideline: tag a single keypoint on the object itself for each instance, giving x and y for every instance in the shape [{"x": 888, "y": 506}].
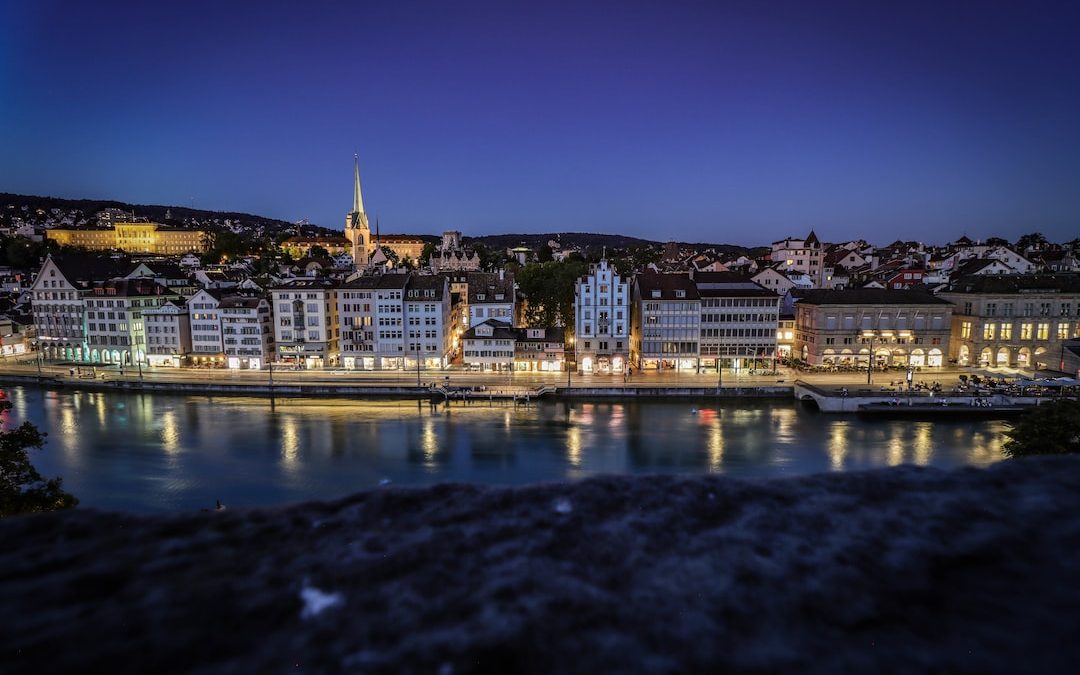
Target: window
[
  {"x": 1005, "y": 331},
  {"x": 988, "y": 331},
  {"x": 1063, "y": 331},
  {"x": 965, "y": 330},
  {"x": 1025, "y": 331},
  {"x": 1043, "y": 332}
]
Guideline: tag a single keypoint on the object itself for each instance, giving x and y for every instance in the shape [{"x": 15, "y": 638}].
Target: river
[{"x": 166, "y": 453}]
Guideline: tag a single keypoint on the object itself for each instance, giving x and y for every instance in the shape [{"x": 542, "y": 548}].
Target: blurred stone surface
[{"x": 897, "y": 570}]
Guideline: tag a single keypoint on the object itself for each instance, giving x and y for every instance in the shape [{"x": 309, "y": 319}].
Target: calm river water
[{"x": 163, "y": 452}]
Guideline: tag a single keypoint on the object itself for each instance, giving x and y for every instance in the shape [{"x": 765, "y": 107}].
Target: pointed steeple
[{"x": 357, "y": 201}]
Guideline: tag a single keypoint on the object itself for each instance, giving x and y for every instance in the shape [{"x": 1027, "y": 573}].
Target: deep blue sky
[{"x": 736, "y": 122}]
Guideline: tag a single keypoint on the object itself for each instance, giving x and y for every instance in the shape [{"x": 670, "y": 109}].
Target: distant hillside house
[{"x": 132, "y": 238}]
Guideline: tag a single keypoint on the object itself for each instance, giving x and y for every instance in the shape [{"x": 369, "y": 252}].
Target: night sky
[{"x": 725, "y": 122}]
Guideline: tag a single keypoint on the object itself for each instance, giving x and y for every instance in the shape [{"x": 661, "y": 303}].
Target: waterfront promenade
[{"x": 336, "y": 381}]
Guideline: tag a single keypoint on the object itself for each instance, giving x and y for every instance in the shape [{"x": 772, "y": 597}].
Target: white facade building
[
  {"x": 489, "y": 346},
  {"x": 168, "y": 334},
  {"x": 427, "y": 321},
  {"x": 602, "y": 320},
  {"x": 247, "y": 332},
  {"x": 490, "y": 296},
  {"x": 206, "y": 342},
  {"x": 57, "y": 299},
  {"x": 115, "y": 327},
  {"x": 800, "y": 255}
]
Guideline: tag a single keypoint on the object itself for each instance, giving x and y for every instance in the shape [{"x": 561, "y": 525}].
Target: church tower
[{"x": 357, "y": 230}]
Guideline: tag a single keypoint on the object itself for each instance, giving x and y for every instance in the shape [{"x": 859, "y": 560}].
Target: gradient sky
[{"x": 725, "y": 122}]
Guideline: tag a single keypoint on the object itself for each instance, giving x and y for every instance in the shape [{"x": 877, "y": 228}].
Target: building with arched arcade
[
  {"x": 57, "y": 299},
  {"x": 1013, "y": 320},
  {"x": 849, "y": 327}
]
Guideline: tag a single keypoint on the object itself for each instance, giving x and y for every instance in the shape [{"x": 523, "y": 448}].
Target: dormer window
[
  {"x": 480, "y": 296},
  {"x": 680, "y": 293},
  {"x": 656, "y": 293}
]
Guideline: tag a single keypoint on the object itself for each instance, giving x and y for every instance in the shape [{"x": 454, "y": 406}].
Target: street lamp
[
  {"x": 566, "y": 357},
  {"x": 870, "y": 358}
]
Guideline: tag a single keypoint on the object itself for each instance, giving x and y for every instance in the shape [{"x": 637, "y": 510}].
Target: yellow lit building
[
  {"x": 133, "y": 238},
  {"x": 298, "y": 247}
]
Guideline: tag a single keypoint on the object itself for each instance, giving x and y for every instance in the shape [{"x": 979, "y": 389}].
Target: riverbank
[
  {"x": 895, "y": 570},
  {"x": 360, "y": 389}
]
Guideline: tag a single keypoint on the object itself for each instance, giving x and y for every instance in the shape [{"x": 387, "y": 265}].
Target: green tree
[
  {"x": 1052, "y": 428},
  {"x": 544, "y": 254},
  {"x": 549, "y": 292},
  {"x": 22, "y": 488},
  {"x": 318, "y": 252},
  {"x": 391, "y": 255},
  {"x": 429, "y": 250},
  {"x": 1029, "y": 240},
  {"x": 23, "y": 253}
]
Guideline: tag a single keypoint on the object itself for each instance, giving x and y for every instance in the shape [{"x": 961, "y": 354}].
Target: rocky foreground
[{"x": 900, "y": 570}]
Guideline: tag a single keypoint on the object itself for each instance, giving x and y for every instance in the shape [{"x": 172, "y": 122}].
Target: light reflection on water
[{"x": 154, "y": 452}]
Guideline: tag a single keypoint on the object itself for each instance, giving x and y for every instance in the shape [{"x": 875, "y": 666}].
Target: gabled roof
[
  {"x": 83, "y": 270},
  {"x": 976, "y": 265},
  {"x": 499, "y": 331}
]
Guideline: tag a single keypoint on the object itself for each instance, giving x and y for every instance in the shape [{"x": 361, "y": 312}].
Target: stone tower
[{"x": 357, "y": 230}]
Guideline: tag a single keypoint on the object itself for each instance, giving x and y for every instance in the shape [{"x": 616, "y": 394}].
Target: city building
[
  {"x": 489, "y": 346},
  {"x": 56, "y": 296},
  {"x": 739, "y": 321},
  {"x": 300, "y": 247},
  {"x": 785, "y": 335},
  {"x": 773, "y": 280},
  {"x": 306, "y": 325},
  {"x": 665, "y": 322},
  {"x": 1013, "y": 320},
  {"x": 133, "y": 238},
  {"x": 247, "y": 331},
  {"x": 115, "y": 326},
  {"x": 800, "y": 255},
  {"x": 427, "y": 321},
  {"x": 602, "y": 321},
  {"x": 406, "y": 247},
  {"x": 540, "y": 349},
  {"x": 168, "y": 334},
  {"x": 390, "y": 321},
  {"x": 452, "y": 256},
  {"x": 844, "y": 327},
  {"x": 207, "y": 346},
  {"x": 357, "y": 314},
  {"x": 490, "y": 296}
]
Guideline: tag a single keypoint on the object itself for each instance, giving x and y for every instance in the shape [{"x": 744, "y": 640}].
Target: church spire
[{"x": 357, "y": 201}]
